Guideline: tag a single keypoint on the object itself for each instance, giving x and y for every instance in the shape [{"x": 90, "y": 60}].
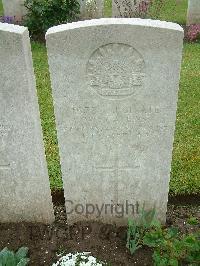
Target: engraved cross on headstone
[
  {"x": 116, "y": 169},
  {"x": 4, "y": 164}
]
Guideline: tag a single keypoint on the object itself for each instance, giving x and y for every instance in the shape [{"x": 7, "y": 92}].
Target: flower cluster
[
  {"x": 193, "y": 33},
  {"x": 78, "y": 259},
  {"x": 143, "y": 7},
  {"x": 149, "y": 8},
  {"x": 7, "y": 19}
]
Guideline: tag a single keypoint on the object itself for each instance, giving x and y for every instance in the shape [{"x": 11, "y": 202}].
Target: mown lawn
[
  {"x": 175, "y": 11},
  {"x": 47, "y": 113},
  {"x": 185, "y": 175}
]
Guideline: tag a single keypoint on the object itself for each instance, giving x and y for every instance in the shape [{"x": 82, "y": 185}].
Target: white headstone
[
  {"x": 126, "y": 8},
  {"x": 14, "y": 8},
  {"x": 193, "y": 13},
  {"x": 91, "y": 9},
  {"x": 24, "y": 185},
  {"x": 115, "y": 85}
]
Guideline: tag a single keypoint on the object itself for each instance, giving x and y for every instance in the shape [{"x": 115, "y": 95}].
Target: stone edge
[
  {"x": 12, "y": 28},
  {"x": 116, "y": 21}
]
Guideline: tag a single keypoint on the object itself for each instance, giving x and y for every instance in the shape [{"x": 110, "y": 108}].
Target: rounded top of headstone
[
  {"x": 12, "y": 28},
  {"x": 116, "y": 21}
]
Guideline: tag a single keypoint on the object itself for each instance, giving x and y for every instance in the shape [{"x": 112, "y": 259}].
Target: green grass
[
  {"x": 1, "y": 8},
  {"x": 185, "y": 176},
  {"x": 175, "y": 11},
  {"x": 47, "y": 113}
]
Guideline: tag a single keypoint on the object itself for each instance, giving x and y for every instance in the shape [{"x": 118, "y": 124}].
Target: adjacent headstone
[
  {"x": 115, "y": 85},
  {"x": 193, "y": 13},
  {"x": 90, "y": 9},
  {"x": 127, "y": 8},
  {"x": 14, "y": 8},
  {"x": 24, "y": 185}
]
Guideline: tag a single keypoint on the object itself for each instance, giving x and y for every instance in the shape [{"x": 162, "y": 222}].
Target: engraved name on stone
[{"x": 124, "y": 117}]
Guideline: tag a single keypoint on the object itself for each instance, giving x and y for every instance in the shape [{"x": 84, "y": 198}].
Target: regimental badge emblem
[{"x": 115, "y": 70}]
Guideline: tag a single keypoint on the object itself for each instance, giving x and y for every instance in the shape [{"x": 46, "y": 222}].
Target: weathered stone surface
[
  {"x": 91, "y": 9},
  {"x": 126, "y": 8},
  {"x": 193, "y": 14},
  {"x": 24, "y": 185},
  {"x": 115, "y": 84},
  {"x": 14, "y": 8}
]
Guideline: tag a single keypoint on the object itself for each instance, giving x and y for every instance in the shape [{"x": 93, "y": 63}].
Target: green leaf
[
  {"x": 154, "y": 238},
  {"x": 3, "y": 256},
  {"x": 156, "y": 223},
  {"x": 21, "y": 253},
  {"x": 23, "y": 262},
  {"x": 9, "y": 257},
  {"x": 159, "y": 260},
  {"x": 172, "y": 232},
  {"x": 3, "y": 251},
  {"x": 173, "y": 262},
  {"x": 133, "y": 246},
  {"x": 193, "y": 221}
]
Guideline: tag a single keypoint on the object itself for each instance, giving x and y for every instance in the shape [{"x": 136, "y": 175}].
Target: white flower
[{"x": 83, "y": 258}]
